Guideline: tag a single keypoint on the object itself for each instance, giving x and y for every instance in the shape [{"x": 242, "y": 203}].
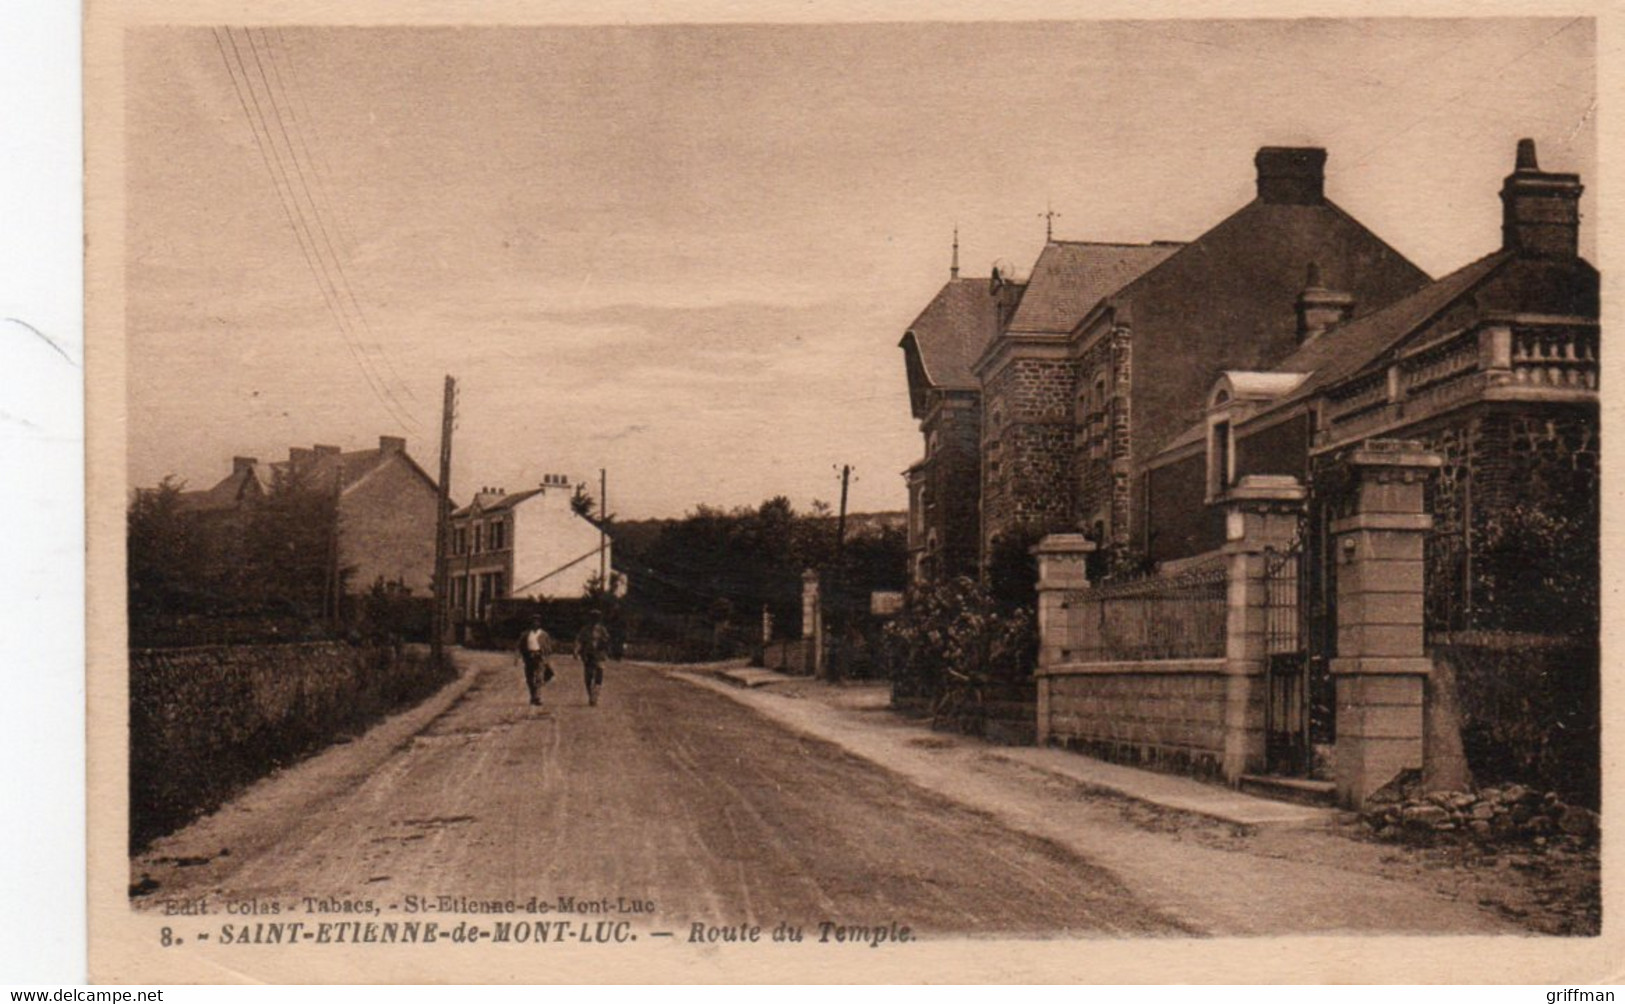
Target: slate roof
[
  {"x": 1350, "y": 347},
  {"x": 322, "y": 467},
  {"x": 952, "y": 331},
  {"x": 228, "y": 494},
  {"x": 355, "y": 466},
  {"x": 502, "y": 502},
  {"x": 1070, "y": 277}
]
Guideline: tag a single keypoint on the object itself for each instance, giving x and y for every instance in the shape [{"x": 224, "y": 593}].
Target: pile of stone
[{"x": 1513, "y": 814}]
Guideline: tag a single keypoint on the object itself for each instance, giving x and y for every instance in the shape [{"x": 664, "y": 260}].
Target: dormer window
[
  {"x": 1221, "y": 444},
  {"x": 1221, "y": 458}
]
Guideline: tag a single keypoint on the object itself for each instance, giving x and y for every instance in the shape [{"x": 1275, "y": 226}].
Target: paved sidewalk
[
  {"x": 1166, "y": 791},
  {"x": 1175, "y": 852},
  {"x": 751, "y": 676}
]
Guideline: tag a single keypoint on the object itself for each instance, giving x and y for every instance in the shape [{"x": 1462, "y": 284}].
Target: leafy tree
[
  {"x": 165, "y": 554},
  {"x": 583, "y": 504},
  {"x": 290, "y": 548}
]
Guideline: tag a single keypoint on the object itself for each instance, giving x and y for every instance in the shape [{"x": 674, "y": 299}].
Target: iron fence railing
[{"x": 1158, "y": 617}]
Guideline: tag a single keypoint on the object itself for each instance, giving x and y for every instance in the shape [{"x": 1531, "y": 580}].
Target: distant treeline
[{"x": 721, "y": 567}]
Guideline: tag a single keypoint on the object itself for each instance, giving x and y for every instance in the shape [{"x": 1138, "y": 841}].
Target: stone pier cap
[
  {"x": 1062, "y": 544},
  {"x": 1395, "y": 453},
  {"x": 1265, "y": 488}
]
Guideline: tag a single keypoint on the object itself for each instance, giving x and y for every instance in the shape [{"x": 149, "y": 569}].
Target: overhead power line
[
  {"x": 322, "y": 202},
  {"x": 282, "y": 180}
]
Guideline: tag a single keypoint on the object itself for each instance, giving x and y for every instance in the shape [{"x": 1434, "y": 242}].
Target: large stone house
[
  {"x": 386, "y": 507},
  {"x": 1070, "y": 382},
  {"x": 1407, "y": 499},
  {"x": 946, "y": 399},
  {"x": 1493, "y": 366}
]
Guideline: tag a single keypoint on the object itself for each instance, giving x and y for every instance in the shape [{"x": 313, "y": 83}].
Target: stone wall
[
  {"x": 1027, "y": 444},
  {"x": 1166, "y": 715},
  {"x": 1497, "y": 458},
  {"x": 386, "y": 528},
  {"x": 952, "y": 472},
  {"x": 1102, "y": 461},
  {"x": 206, "y": 721}
]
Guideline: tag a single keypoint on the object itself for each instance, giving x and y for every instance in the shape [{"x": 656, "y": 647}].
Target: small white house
[{"x": 524, "y": 545}]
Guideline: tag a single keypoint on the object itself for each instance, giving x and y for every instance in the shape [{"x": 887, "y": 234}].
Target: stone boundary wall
[
  {"x": 1167, "y": 714},
  {"x": 206, "y": 721}
]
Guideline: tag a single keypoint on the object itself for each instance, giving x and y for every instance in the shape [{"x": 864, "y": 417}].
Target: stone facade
[
  {"x": 1028, "y": 438},
  {"x": 944, "y": 515},
  {"x": 1495, "y": 459},
  {"x": 1103, "y": 459},
  {"x": 386, "y": 528}
]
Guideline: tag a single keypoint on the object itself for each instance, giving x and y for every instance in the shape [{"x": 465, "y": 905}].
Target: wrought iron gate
[
  {"x": 1287, "y": 748},
  {"x": 1300, "y": 589}
]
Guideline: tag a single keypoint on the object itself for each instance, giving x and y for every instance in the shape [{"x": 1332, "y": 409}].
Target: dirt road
[{"x": 666, "y": 794}]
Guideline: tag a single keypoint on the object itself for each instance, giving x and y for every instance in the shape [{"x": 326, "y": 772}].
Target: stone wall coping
[
  {"x": 1540, "y": 395},
  {"x": 1413, "y": 521},
  {"x": 1265, "y": 488},
  {"x": 1063, "y": 543},
  {"x": 1147, "y": 667},
  {"x": 1378, "y": 666},
  {"x": 1394, "y": 453}
]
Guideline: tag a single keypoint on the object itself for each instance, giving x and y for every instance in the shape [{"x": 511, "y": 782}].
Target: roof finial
[
  {"x": 1049, "y": 216},
  {"x": 953, "y": 270}
]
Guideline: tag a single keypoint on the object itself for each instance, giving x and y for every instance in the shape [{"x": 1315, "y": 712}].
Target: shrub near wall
[
  {"x": 1530, "y": 711},
  {"x": 205, "y": 722}
]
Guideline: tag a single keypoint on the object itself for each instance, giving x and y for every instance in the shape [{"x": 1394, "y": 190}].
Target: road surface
[{"x": 665, "y": 794}]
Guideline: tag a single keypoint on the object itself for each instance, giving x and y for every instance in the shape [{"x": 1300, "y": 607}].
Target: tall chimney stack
[
  {"x": 1540, "y": 210},
  {"x": 1291, "y": 175}
]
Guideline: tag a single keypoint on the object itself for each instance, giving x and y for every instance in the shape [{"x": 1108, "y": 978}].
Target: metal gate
[
  {"x": 1287, "y": 748},
  {"x": 1300, "y": 590}
]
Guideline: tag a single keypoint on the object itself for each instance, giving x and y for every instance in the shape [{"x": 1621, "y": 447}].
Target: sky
[{"x": 686, "y": 253}]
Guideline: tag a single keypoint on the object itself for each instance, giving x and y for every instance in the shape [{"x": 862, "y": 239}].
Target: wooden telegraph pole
[
  {"x": 837, "y": 593},
  {"x": 603, "y": 546},
  {"x": 442, "y": 524}
]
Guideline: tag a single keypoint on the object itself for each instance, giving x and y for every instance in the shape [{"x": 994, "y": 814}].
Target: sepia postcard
[{"x": 765, "y": 493}]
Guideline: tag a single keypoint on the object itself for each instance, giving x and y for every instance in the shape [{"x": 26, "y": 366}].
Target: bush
[
  {"x": 958, "y": 647},
  {"x": 1530, "y": 711}
]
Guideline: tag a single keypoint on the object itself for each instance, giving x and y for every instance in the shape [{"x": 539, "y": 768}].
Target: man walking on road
[
  {"x": 535, "y": 646},
  {"x": 592, "y": 641}
]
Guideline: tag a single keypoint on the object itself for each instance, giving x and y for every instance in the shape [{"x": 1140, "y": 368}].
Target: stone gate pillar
[
  {"x": 1062, "y": 565},
  {"x": 1380, "y": 670},
  {"x": 1262, "y": 514},
  {"x": 812, "y": 624}
]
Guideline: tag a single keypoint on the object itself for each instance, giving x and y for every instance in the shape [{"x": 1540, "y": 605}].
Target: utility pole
[
  {"x": 837, "y": 666},
  {"x": 840, "y": 523},
  {"x": 331, "y": 599},
  {"x": 603, "y": 541},
  {"x": 437, "y": 630}
]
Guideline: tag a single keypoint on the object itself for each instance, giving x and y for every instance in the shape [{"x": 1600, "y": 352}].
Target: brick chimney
[
  {"x": 1540, "y": 211},
  {"x": 326, "y": 451},
  {"x": 1291, "y": 175},
  {"x": 300, "y": 455},
  {"x": 392, "y": 444},
  {"x": 242, "y": 465},
  {"x": 1320, "y": 308}
]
